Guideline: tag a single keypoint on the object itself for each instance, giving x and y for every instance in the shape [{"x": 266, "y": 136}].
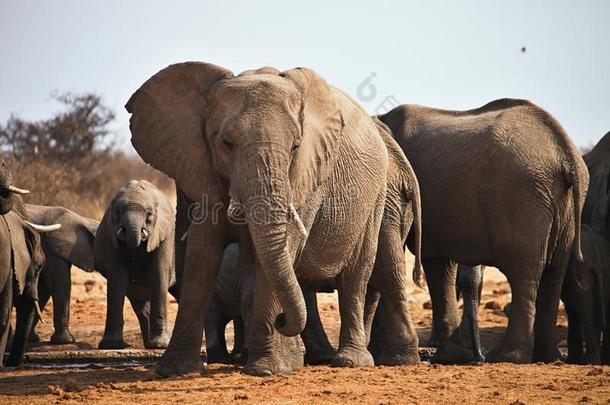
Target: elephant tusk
[
  {"x": 38, "y": 311},
  {"x": 235, "y": 212},
  {"x": 43, "y": 228},
  {"x": 297, "y": 218},
  {"x": 17, "y": 190},
  {"x": 184, "y": 236}
]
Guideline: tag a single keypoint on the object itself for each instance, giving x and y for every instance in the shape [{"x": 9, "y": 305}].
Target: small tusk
[
  {"x": 297, "y": 218},
  {"x": 18, "y": 190},
  {"x": 38, "y": 311},
  {"x": 43, "y": 228},
  {"x": 184, "y": 236},
  {"x": 235, "y": 211}
]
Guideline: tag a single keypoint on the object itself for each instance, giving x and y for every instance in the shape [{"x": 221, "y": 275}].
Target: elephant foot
[
  {"x": 241, "y": 357},
  {"x": 508, "y": 354},
  {"x": 173, "y": 363},
  {"x": 112, "y": 344},
  {"x": 353, "y": 357},
  {"x": 269, "y": 365},
  {"x": 218, "y": 356},
  {"x": 400, "y": 357},
  {"x": 319, "y": 356},
  {"x": 34, "y": 338},
  {"x": 159, "y": 342},
  {"x": 553, "y": 354},
  {"x": 62, "y": 337},
  {"x": 455, "y": 353}
]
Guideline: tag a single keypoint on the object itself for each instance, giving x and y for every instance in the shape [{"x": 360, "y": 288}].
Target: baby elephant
[
  {"x": 586, "y": 296},
  {"x": 134, "y": 250}
]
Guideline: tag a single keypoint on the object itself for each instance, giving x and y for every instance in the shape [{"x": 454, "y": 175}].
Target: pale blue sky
[{"x": 449, "y": 54}]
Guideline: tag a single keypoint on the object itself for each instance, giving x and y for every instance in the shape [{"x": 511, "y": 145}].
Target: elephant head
[
  {"x": 7, "y": 189},
  {"x": 264, "y": 139},
  {"x": 139, "y": 214},
  {"x": 27, "y": 260}
]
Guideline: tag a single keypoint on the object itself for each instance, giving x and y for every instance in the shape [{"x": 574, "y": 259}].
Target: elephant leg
[
  {"x": 592, "y": 334},
  {"x": 115, "y": 298},
  {"x": 6, "y": 307},
  {"x": 239, "y": 353},
  {"x": 269, "y": 352},
  {"x": 575, "y": 338},
  {"x": 370, "y": 312},
  {"x": 547, "y": 304},
  {"x": 215, "y": 326},
  {"x": 159, "y": 273},
  {"x": 61, "y": 291},
  {"x": 517, "y": 346},
  {"x": 605, "y": 348},
  {"x": 43, "y": 297},
  {"x": 441, "y": 276},
  {"x": 203, "y": 257},
  {"x": 400, "y": 340},
  {"x": 318, "y": 349},
  {"x": 142, "y": 310},
  {"x": 352, "y": 285},
  {"x": 469, "y": 282}
]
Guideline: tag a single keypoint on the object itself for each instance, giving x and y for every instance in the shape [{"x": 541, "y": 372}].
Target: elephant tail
[
  {"x": 574, "y": 171},
  {"x": 576, "y": 175},
  {"x": 415, "y": 198}
]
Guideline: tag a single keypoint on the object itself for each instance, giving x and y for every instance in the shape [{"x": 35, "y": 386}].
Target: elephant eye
[
  {"x": 296, "y": 146},
  {"x": 117, "y": 213},
  {"x": 149, "y": 216},
  {"x": 227, "y": 143}
]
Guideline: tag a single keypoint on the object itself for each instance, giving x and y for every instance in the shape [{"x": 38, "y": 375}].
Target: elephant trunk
[
  {"x": 133, "y": 226},
  {"x": 267, "y": 213}
]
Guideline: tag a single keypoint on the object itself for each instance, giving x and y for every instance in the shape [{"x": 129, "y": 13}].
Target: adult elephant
[
  {"x": 587, "y": 285},
  {"x": 308, "y": 170},
  {"x": 501, "y": 185},
  {"x": 21, "y": 259},
  {"x": 71, "y": 245}
]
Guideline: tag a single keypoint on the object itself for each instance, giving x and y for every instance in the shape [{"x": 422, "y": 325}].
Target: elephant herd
[{"x": 287, "y": 187}]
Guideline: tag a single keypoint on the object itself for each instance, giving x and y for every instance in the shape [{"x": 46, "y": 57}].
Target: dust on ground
[{"x": 487, "y": 383}]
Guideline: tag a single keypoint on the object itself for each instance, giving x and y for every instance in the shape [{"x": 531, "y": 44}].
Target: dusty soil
[{"x": 489, "y": 383}]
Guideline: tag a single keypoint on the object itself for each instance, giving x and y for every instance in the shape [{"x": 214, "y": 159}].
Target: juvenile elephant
[
  {"x": 308, "y": 171},
  {"x": 586, "y": 295},
  {"x": 501, "y": 185},
  {"x": 70, "y": 245},
  {"x": 134, "y": 250}
]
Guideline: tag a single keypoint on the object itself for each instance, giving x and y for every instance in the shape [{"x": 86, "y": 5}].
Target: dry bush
[
  {"x": 69, "y": 159},
  {"x": 86, "y": 186}
]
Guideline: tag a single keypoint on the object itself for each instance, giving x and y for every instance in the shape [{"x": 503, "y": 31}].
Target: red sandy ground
[{"x": 488, "y": 383}]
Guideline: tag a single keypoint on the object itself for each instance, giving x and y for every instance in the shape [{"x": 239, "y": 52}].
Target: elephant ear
[
  {"x": 169, "y": 112},
  {"x": 72, "y": 242},
  {"x": 322, "y": 126},
  {"x": 106, "y": 243},
  {"x": 164, "y": 225},
  {"x": 19, "y": 249}
]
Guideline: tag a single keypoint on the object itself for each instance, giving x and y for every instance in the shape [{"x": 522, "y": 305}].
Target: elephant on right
[{"x": 501, "y": 185}]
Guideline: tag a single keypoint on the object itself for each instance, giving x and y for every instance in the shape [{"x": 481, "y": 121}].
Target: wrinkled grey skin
[
  {"x": 586, "y": 295},
  {"x": 20, "y": 286},
  {"x": 309, "y": 169},
  {"x": 21, "y": 258},
  {"x": 134, "y": 250},
  {"x": 501, "y": 185},
  {"x": 72, "y": 244},
  {"x": 586, "y": 289}
]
